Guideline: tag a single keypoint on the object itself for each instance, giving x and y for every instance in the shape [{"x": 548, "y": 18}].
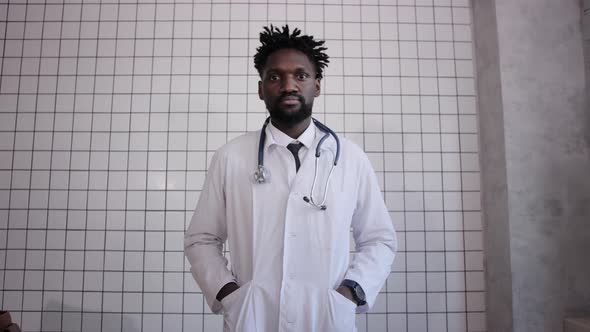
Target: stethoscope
[{"x": 262, "y": 175}]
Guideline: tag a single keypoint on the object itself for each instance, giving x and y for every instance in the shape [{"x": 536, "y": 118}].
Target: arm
[
  {"x": 374, "y": 237},
  {"x": 206, "y": 234}
]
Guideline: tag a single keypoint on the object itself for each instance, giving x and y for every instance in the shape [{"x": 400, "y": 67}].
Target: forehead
[{"x": 288, "y": 59}]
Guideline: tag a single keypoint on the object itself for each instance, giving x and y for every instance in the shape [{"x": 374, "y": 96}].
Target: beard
[{"x": 284, "y": 116}]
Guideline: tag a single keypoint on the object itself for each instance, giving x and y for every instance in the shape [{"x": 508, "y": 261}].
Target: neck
[{"x": 295, "y": 130}]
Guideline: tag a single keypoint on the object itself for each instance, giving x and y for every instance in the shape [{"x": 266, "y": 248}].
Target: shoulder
[
  {"x": 351, "y": 152},
  {"x": 351, "y": 147},
  {"x": 238, "y": 148},
  {"x": 238, "y": 144}
]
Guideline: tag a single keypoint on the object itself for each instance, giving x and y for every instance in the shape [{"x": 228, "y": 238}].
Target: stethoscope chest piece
[{"x": 262, "y": 175}]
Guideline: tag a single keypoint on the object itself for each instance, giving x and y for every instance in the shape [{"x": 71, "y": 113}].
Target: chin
[
  {"x": 292, "y": 111},
  {"x": 290, "y": 116}
]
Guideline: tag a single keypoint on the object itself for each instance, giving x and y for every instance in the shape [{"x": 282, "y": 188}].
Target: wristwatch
[{"x": 357, "y": 291}]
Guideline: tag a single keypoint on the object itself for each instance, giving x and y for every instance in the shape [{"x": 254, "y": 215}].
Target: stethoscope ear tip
[{"x": 321, "y": 207}]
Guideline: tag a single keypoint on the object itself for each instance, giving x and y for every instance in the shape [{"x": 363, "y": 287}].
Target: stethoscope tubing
[
  {"x": 328, "y": 132},
  {"x": 261, "y": 174}
]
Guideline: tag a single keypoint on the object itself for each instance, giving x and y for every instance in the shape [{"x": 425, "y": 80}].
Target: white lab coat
[{"x": 287, "y": 256}]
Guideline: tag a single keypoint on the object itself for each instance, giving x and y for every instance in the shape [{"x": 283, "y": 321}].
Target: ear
[
  {"x": 318, "y": 85},
  {"x": 260, "y": 95}
]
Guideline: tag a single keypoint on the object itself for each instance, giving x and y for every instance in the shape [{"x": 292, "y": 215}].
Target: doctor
[{"x": 291, "y": 264}]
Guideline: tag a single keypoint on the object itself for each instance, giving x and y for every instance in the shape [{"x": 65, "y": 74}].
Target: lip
[{"x": 291, "y": 100}]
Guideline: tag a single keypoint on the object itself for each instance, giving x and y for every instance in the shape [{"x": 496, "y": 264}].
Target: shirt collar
[{"x": 275, "y": 136}]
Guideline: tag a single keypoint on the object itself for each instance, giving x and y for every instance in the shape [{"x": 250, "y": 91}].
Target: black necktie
[{"x": 294, "y": 148}]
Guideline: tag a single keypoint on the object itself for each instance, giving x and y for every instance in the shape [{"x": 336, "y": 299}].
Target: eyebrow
[{"x": 276, "y": 69}]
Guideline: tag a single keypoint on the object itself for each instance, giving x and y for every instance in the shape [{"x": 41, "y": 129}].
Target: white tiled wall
[{"x": 110, "y": 110}]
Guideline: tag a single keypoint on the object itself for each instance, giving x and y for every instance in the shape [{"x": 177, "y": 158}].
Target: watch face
[{"x": 359, "y": 292}]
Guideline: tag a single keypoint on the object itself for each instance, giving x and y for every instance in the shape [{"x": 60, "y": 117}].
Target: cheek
[
  {"x": 269, "y": 91},
  {"x": 311, "y": 93}
]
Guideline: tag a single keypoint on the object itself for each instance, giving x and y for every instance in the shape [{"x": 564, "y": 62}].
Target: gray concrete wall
[
  {"x": 493, "y": 168},
  {"x": 535, "y": 124}
]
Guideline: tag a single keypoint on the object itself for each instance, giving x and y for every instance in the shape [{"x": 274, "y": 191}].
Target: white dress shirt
[
  {"x": 306, "y": 138},
  {"x": 287, "y": 256}
]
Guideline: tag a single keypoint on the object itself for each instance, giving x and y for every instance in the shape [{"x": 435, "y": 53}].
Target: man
[{"x": 291, "y": 267}]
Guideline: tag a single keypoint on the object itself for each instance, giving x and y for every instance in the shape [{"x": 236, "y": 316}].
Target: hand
[
  {"x": 227, "y": 289},
  {"x": 347, "y": 293}
]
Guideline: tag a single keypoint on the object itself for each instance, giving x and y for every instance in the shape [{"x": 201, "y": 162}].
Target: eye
[
  {"x": 273, "y": 77},
  {"x": 302, "y": 76}
]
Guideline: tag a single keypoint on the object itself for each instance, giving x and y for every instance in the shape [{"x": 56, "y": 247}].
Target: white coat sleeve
[
  {"x": 204, "y": 238},
  {"x": 374, "y": 237}
]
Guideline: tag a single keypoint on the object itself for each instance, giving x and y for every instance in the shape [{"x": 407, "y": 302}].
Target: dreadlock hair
[{"x": 273, "y": 39}]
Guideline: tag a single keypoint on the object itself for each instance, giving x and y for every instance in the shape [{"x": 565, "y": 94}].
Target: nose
[{"x": 289, "y": 84}]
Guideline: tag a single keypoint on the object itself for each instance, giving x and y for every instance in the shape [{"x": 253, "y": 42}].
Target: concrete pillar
[{"x": 535, "y": 154}]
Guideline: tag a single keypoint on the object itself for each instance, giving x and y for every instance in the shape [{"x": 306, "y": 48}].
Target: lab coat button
[
  {"x": 291, "y": 275},
  {"x": 293, "y": 234}
]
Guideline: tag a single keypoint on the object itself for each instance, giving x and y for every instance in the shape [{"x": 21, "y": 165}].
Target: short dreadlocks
[{"x": 273, "y": 39}]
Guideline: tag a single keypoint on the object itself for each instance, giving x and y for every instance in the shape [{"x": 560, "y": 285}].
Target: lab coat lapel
[{"x": 268, "y": 201}]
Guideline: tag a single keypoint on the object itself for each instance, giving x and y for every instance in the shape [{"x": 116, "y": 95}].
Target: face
[{"x": 288, "y": 86}]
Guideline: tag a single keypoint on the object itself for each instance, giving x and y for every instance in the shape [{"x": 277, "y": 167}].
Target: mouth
[{"x": 290, "y": 100}]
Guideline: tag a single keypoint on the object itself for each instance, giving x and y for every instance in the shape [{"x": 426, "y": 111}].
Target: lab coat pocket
[
  {"x": 340, "y": 313},
  {"x": 236, "y": 310}
]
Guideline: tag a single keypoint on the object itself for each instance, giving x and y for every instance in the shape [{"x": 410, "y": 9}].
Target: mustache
[{"x": 292, "y": 94}]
